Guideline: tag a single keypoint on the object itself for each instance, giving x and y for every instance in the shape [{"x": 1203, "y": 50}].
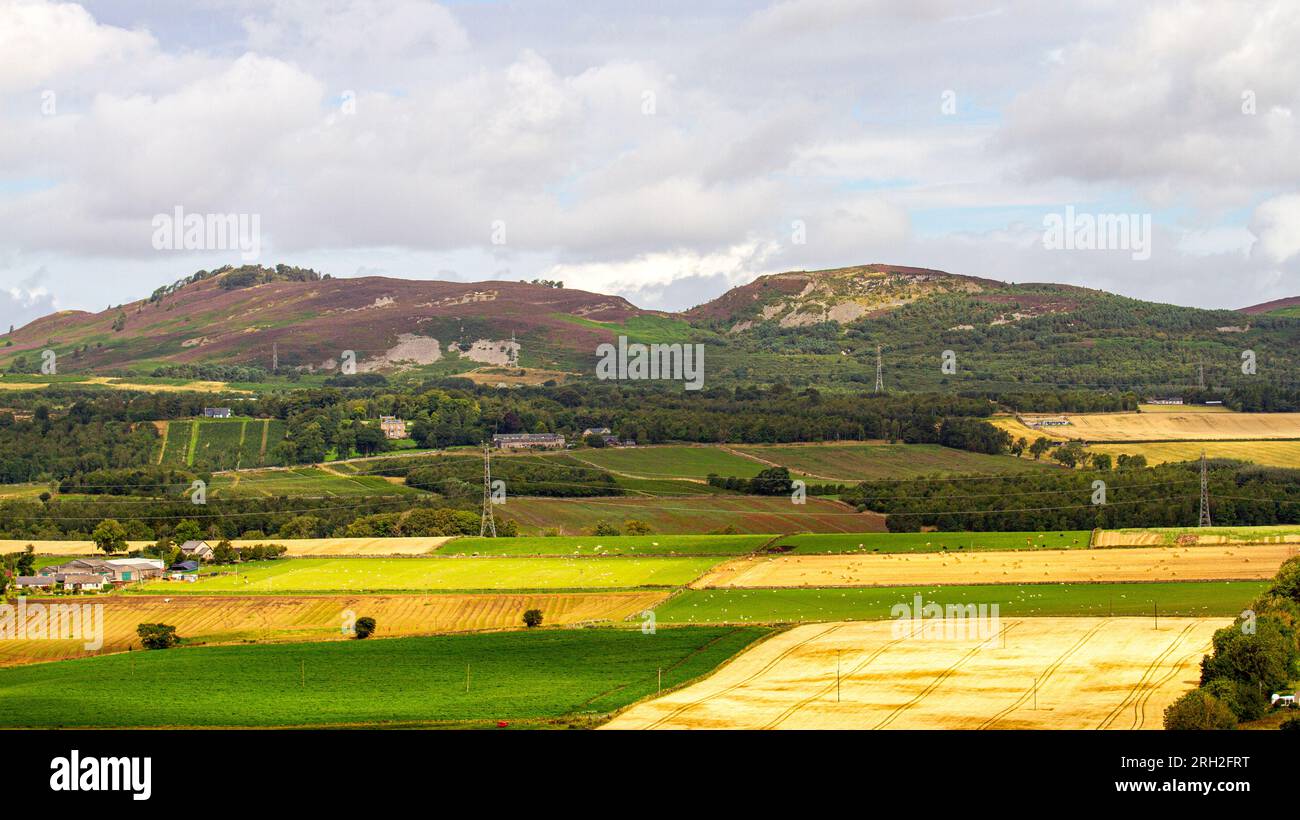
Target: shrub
[
  {"x": 605, "y": 528},
  {"x": 636, "y": 527},
  {"x": 157, "y": 636},
  {"x": 533, "y": 617},
  {"x": 1198, "y": 709},
  {"x": 364, "y": 627}
]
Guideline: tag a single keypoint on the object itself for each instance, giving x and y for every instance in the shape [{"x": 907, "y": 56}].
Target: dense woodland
[{"x": 1164, "y": 496}]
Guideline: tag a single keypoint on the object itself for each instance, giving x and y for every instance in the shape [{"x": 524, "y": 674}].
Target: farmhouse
[
  {"x": 1281, "y": 700},
  {"x": 596, "y": 431},
  {"x": 216, "y": 412},
  {"x": 1166, "y": 401},
  {"x": 197, "y": 549},
  {"x": 34, "y": 581},
  {"x": 392, "y": 427},
  {"x": 527, "y": 441},
  {"x": 83, "y": 583}
]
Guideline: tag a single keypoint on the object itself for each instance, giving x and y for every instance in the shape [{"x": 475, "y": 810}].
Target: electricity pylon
[
  {"x": 487, "y": 524},
  {"x": 1205, "y": 493}
]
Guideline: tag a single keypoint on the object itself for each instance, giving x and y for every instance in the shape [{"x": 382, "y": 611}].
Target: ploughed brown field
[
  {"x": 1028, "y": 673},
  {"x": 317, "y": 617},
  {"x": 1255, "y": 562}
]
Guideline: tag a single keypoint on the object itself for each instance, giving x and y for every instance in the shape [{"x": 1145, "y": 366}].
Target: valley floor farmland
[
  {"x": 556, "y": 677},
  {"x": 451, "y": 573},
  {"x": 1267, "y": 453},
  {"x": 1189, "y": 426},
  {"x": 279, "y": 618},
  {"x": 1255, "y": 562},
  {"x": 862, "y": 462},
  {"x": 1190, "y": 599},
  {"x": 1044, "y": 677},
  {"x": 745, "y": 513},
  {"x": 296, "y": 547}
]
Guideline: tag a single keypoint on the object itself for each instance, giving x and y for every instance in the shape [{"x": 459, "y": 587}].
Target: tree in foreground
[
  {"x": 1198, "y": 709},
  {"x": 364, "y": 627},
  {"x": 157, "y": 636},
  {"x": 533, "y": 617}
]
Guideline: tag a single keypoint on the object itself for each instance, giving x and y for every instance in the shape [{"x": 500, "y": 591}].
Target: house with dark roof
[{"x": 198, "y": 550}]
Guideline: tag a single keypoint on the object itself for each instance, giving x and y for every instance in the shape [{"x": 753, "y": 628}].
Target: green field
[
  {"x": 451, "y": 573},
  {"x": 535, "y": 676},
  {"x": 302, "y": 482},
  {"x": 608, "y": 545},
  {"x": 744, "y": 513},
  {"x": 217, "y": 446},
  {"x": 1189, "y": 599},
  {"x": 933, "y": 541},
  {"x": 671, "y": 461},
  {"x": 177, "y": 447},
  {"x": 861, "y": 462}
]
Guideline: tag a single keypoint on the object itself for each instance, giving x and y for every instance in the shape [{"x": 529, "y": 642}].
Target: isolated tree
[
  {"x": 533, "y": 618},
  {"x": 605, "y": 528},
  {"x": 1198, "y": 709},
  {"x": 636, "y": 526},
  {"x": 157, "y": 636},
  {"x": 594, "y": 440},
  {"x": 364, "y": 627},
  {"x": 109, "y": 536},
  {"x": 1041, "y": 445}
]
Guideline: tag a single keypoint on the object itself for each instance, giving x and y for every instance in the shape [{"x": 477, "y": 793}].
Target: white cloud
[{"x": 1276, "y": 224}]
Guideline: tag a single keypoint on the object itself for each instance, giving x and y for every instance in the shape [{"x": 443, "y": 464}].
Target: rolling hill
[
  {"x": 245, "y": 316},
  {"x": 804, "y": 327}
]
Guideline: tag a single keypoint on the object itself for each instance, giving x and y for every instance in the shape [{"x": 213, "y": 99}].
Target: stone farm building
[{"x": 528, "y": 441}]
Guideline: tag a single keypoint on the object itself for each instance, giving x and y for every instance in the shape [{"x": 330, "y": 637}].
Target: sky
[{"x": 664, "y": 152}]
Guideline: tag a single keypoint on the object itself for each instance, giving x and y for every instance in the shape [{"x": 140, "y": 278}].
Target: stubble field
[{"x": 1039, "y": 673}]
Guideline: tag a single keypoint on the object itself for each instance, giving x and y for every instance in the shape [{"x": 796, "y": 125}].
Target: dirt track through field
[
  {"x": 1026, "y": 673},
  {"x": 1221, "y": 563}
]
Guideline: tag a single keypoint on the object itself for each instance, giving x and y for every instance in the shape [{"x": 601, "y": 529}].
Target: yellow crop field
[
  {"x": 320, "y": 617},
  {"x": 1031, "y": 673},
  {"x": 1222, "y": 563},
  {"x": 1268, "y": 453},
  {"x": 1165, "y": 426}
]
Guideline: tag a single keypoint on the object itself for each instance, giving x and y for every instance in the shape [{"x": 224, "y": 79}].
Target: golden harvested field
[
  {"x": 297, "y": 547},
  {"x": 892, "y": 682},
  {"x": 118, "y": 384},
  {"x": 320, "y": 617},
  {"x": 1268, "y": 453},
  {"x": 1118, "y": 427},
  {"x": 1019, "y": 567}
]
